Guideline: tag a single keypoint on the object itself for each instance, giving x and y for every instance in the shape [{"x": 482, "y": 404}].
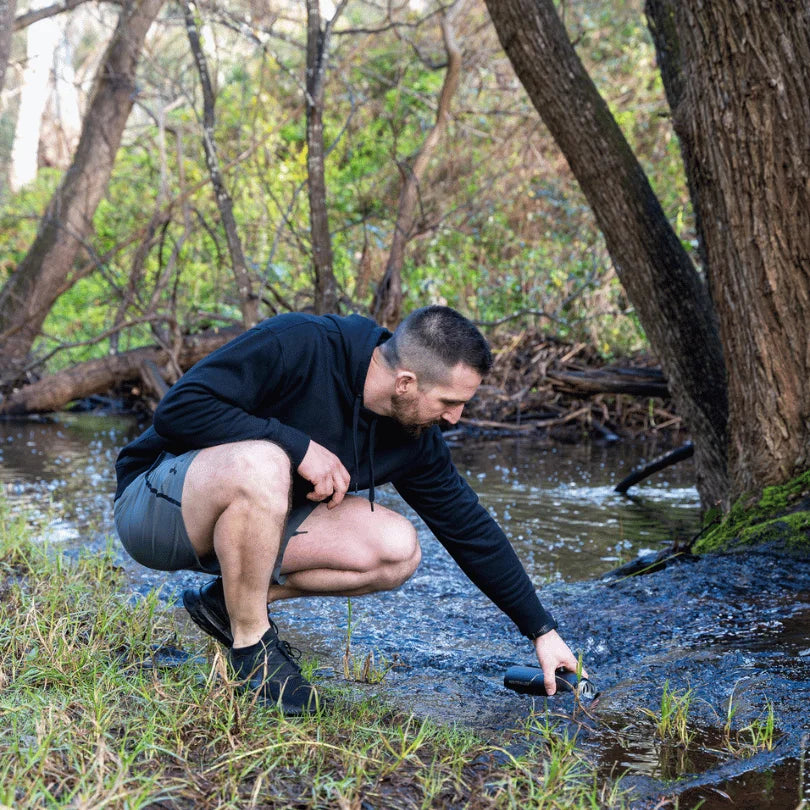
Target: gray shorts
[{"x": 150, "y": 524}]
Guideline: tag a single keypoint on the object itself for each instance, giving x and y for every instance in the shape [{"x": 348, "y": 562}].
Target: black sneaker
[
  {"x": 269, "y": 669},
  {"x": 206, "y": 606}
]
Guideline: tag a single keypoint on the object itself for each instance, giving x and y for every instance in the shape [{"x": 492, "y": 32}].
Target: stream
[{"x": 728, "y": 629}]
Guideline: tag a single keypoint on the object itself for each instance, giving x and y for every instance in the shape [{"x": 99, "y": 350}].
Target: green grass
[{"x": 88, "y": 720}]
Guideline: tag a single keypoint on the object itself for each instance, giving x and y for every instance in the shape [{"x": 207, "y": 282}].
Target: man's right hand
[
  {"x": 325, "y": 471},
  {"x": 553, "y": 652}
]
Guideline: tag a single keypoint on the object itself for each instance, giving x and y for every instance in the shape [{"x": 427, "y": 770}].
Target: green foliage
[
  {"x": 502, "y": 227},
  {"x": 672, "y": 720}
]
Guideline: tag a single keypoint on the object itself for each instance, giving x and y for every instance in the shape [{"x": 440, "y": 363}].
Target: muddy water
[{"x": 728, "y": 628}]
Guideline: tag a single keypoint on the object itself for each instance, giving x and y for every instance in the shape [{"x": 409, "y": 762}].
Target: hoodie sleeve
[
  {"x": 451, "y": 509},
  {"x": 217, "y": 401}
]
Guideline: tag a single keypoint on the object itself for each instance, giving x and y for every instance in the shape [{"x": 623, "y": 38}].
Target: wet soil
[{"x": 733, "y": 627}]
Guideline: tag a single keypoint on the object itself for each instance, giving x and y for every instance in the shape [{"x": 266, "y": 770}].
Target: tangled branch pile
[{"x": 541, "y": 383}]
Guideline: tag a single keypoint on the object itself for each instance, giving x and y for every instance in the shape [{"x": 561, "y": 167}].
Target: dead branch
[{"x": 98, "y": 376}]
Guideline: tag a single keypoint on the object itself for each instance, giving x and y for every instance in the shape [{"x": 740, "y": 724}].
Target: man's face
[{"x": 416, "y": 410}]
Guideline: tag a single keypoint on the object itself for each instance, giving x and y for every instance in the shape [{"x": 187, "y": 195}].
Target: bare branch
[{"x": 35, "y": 15}]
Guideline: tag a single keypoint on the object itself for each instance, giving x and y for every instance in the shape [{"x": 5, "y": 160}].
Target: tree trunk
[
  {"x": 43, "y": 39},
  {"x": 62, "y": 124},
  {"x": 98, "y": 376},
  {"x": 248, "y": 300},
  {"x": 740, "y": 93},
  {"x": 317, "y": 57},
  {"x": 388, "y": 295},
  {"x": 45, "y": 272},
  {"x": 8, "y": 8},
  {"x": 672, "y": 302}
]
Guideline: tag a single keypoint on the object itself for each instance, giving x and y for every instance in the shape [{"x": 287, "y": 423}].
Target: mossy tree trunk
[
  {"x": 737, "y": 76},
  {"x": 664, "y": 286}
]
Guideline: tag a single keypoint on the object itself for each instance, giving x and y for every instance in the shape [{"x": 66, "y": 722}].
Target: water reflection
[
  {"x": 557, "y": 505},
  {"x": 61, "y": 471},
  {"x": 556, "y": 502}
]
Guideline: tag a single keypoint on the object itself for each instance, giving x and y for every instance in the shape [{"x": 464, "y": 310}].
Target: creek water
[{"x": 732, "y": 628}]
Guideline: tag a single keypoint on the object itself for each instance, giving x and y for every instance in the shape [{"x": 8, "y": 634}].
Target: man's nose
[{"x": 452, "y": 415}]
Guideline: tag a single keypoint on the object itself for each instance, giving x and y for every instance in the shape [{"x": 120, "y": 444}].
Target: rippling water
[
  {"x": 556, "y": 502},
  {"x": 724, "y": 627}
]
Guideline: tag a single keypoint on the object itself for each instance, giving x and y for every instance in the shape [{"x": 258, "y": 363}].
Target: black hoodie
[{"x": 298, "y": 377}]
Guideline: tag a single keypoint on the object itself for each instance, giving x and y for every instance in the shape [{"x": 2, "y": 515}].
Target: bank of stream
[{"x": 729, "y": 628}]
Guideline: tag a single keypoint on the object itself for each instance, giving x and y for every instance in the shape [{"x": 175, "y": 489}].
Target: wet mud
[{"x": 730, "y": 628}]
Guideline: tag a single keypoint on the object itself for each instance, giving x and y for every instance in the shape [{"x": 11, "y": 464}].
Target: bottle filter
[{"x": 529, "y": 681}]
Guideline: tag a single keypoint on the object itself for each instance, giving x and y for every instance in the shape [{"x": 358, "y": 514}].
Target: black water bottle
[{"x": 529, "y": 681}]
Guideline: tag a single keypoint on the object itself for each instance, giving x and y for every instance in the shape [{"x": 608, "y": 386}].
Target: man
[{"x": 246, "y": 470}]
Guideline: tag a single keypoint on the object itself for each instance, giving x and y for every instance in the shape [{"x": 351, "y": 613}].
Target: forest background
[
  {"x": 500, "y": 228},
  {"x": 378, "y": 156}
]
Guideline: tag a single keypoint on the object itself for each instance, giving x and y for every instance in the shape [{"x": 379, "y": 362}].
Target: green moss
[{"x": 780, "y": 518}]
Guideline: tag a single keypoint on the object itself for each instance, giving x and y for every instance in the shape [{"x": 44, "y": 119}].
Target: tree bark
[
  {"x": 317, "y": 59},
  {"x": 387, "y": 302},
  {"x": 8, "y": 8},
  {"x": 98, "y": 376},
  {"x": 43, "y": 39},
  {"x": 248, "y": 299},
  {"x": 45, "y": 272},
  {"x": 672, "y": 302},
  {"x": 741, "y": 109}
]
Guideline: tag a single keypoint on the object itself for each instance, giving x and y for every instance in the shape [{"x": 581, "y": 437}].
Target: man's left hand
[{"x": 552, "y": 653}]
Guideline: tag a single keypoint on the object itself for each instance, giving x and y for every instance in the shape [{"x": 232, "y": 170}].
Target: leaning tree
[
  {"x": 48, "y": 270},
  {"x": 735, "y": 340}
]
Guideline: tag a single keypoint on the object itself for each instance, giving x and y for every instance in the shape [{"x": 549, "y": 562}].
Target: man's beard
[{"x": 404, "y": 411}]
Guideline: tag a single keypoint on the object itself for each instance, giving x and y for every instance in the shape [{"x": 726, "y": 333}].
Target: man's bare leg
[
  {"x": 235, "y": 502},
  {"x": 348, "y": 551}
]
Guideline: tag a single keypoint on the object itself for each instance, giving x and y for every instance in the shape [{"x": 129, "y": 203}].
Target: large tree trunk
[
  {"x": 317, "y": 57},
  {"x": 672, "y": 302},
  {"x": 8, "y": 9},
  {"x": 248, "y": 299},
  {"x": 738, "y": 81},
  {"x": 388, "y": 295},
  {"x": 45, "y": 272}
]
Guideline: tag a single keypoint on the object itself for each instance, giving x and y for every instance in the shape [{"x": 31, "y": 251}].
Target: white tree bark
[
  {"x": 63, "y": 123},
  {"x": 43, "y": 39}
]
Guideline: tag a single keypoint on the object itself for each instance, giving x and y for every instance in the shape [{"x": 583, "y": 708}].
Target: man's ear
[{"x": 404, "y": 381}]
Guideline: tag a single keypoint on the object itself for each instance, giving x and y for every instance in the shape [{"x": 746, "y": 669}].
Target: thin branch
[{"x": 35, "y": 15}]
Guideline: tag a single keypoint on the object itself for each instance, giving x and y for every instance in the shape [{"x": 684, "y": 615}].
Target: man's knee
[
  {"x": 400, "y": 553},
  {"x": 251, "y": 472}
]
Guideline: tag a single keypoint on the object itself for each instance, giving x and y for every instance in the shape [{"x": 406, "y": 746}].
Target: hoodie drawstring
[{"x": 372, "y": 430}]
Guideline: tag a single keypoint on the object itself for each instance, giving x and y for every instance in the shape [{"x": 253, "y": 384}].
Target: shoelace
[{"x": 292, "y": 654}]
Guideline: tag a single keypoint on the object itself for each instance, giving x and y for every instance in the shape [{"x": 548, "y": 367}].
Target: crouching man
[{"x": 246, "y": 470}]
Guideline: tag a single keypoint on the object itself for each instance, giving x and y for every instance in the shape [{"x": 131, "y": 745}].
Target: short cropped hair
[{"x": 433, "y": 340}]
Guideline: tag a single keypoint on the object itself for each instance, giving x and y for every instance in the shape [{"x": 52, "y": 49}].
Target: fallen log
[
  {"x": 153, "y": 378},
  {"x": 637, "y": 382},
  {"x": 97, "y": 376}
]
